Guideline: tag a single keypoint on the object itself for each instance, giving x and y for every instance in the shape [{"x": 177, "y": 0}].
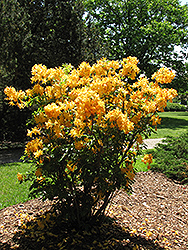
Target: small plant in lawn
[
  {"x": 86, "y": 123},
  {"x": 171, "y": 158}
]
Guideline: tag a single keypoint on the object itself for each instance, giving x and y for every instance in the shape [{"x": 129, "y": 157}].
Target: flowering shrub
[{"x": 88, "y": 124}]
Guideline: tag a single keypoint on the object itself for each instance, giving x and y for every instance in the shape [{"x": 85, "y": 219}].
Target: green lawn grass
[
  {"x": 172, "y": 124},
  {"x": 11, "y": 191}
]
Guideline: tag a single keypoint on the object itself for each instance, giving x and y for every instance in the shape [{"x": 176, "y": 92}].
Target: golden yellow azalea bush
[{"x": 88, "y": 124}]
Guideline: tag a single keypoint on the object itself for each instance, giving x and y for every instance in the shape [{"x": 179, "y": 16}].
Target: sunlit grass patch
[{"x": 11, "y": 191}]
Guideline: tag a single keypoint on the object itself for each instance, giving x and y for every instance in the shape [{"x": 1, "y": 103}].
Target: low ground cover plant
[
  {"x": 175, "y": 107},
  {"x": 88, "y": 124},
  {"x": 171, "y": 158}
]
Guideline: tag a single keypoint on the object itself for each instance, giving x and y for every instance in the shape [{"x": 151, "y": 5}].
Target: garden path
[{"x": 13, "y": 155}]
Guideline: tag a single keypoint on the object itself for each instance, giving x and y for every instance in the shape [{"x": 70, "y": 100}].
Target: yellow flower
[
  {"x": 52, "y": 110},
  {"x": 37, "y": 89},
  {"x": 40, "y": 118},
  {"x": 148, "y": 158},
  {"x": 120, "y": 120},
  {"x": 71, "y": 167},
  {"x": 34, "y": 146},
  {"x": 38, "y": 153},
  {"x": 139, "y": 139},
  {"x": 38, "y": 172},
  {"x": 78, "y": 145},
  {"x": 130, "y": 175},
  {"x": 49, "y": 124},
  {"x": 84, "y": 69},
  {"x": 39, "y": 73},
  {"x": 88, "y": 104},
  {"x": 155, "y": 120},
  {"x": 40, "y": 179},
  {"x": 34, "y": 131},
  {"x": 148, "y": 234},
  {"x": 15, "y": 97},
  {"x": 130, "y": 68},
  {"x": 20, "y": 177}
]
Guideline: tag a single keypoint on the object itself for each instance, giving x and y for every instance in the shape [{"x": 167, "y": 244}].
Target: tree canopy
[
  {"x": 40, "y": 31},
  {"x": 147, "y": 29}
]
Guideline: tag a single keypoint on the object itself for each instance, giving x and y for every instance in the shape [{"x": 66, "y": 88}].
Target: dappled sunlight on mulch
[{"x": 155, "y": 216}]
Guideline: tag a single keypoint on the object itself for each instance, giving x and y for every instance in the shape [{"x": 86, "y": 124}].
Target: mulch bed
[{"x": 155, "y": 216}]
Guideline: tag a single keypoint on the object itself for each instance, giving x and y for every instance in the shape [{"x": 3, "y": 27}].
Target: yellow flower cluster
[
  {"x": 14, "y": 97},
  {"x": 40, "y": 74},
  {"x": 52, "y": 110},
  {"x": 38, "y": 172},
  {"x": 20, "y": 177},
  {"x": 35, "y": 147},
  {"x": 35, "y": 131},
  {"x": 130, "y": 68},
  {"x": 128, "y": 171},
  {"x": 163, "y": 75},
  {"x": 37, "y": 89},
  {"x": 117, "y": 118},
  {"x": 148, "y": 158},
  {"x": 70, "y": 166}
]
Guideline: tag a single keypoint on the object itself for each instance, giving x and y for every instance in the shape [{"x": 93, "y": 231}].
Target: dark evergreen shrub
[
  {"x": 175, "y": 107},
  {"x": 171, "y": 158}
]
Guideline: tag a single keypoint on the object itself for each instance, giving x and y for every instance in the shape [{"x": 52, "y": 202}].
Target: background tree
[
  {"x": 39, "y": 31},
  {"x": 148, "y": 29},
  {"x": 93, "y": 46},
  {"x": 180, "y": 82},
  {"x": 47, "y": 32}
]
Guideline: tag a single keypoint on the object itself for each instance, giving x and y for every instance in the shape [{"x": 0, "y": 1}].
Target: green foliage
[
  {"x": 175, "y": 107},
  {"x": 148, "y": 29},
  {"x": 12, "y": 192},
  {"x": 13, "y": 124},
  {"x": 182, "y": 98},
  {"x": 93, "y": 46},
  {"x": 180, "y": 82},
  {"x": 171, "y": 158}
]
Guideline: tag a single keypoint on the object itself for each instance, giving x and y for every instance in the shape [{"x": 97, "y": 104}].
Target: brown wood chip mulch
[{"x": 155, "y": 216}]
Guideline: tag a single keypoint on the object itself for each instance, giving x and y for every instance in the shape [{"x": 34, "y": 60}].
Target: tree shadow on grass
[
  {"x": 10, "y": 155},
  {"x": 182, "y": 113},
  {"x": 53, "y": 233},
  {"x": 173, "y": 123}
]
